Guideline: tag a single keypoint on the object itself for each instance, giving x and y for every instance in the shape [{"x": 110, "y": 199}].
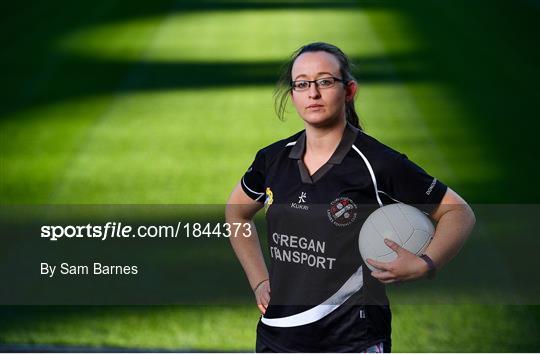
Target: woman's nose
[{"x": 314, "y": 91}]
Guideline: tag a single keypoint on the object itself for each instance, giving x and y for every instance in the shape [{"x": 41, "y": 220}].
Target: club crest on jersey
[
  {"x": 269, "y": 199},
  {"x": 342, "y": 212}
]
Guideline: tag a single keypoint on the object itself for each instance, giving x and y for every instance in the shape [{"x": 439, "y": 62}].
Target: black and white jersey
[{"x": 323, "y": 296}]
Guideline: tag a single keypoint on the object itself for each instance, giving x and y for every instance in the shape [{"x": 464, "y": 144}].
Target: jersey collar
[{"x": 297, "y": 152}]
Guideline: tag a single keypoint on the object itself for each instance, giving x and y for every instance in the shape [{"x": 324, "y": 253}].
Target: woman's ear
[{"x": 350, "y": 90}]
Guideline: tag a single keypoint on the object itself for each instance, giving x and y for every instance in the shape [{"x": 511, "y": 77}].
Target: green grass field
[
  {"x": 444, "y": 328},
  {"x": 166, "y": 102}
]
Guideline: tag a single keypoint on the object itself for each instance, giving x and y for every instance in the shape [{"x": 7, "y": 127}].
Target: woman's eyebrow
[{"x": 318, "y": 74}]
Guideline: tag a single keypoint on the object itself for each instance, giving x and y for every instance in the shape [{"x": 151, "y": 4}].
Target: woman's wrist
[
  {"x": 259, "y": 284},
  {"x": 429, "y": 266}
]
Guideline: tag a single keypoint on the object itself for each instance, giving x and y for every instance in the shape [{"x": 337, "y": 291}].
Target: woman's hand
[
  {"x": 407, "y": 266},
  {"x": 262, "y": 295},
  {"x": 455, "y": 221}
]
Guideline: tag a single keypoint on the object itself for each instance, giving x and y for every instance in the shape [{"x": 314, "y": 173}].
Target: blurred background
[{"x": 167, "y": 102}]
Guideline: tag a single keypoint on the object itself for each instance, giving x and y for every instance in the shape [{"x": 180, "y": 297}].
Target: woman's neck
[{"x": 324, "y": 140}]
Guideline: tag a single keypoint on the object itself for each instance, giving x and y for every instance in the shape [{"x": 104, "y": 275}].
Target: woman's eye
[
  {"x": 301, "y": 84},
  {"x": 325, "y": 82}
]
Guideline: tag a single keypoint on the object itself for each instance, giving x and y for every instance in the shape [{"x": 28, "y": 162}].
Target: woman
[{"x": 319, "y": 296}]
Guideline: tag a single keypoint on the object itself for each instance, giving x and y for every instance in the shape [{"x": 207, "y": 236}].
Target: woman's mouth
[{"x": 314, "y": 106}]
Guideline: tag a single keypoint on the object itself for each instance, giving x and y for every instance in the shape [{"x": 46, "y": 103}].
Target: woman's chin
[{"x": 320, "y": 121}]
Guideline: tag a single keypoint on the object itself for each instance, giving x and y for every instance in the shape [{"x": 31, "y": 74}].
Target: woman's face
[{"x": 320, "y": 106}]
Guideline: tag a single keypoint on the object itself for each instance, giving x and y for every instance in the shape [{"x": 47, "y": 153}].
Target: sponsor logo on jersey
[
  {"x": 301, "y": 199},
  {"x": 269, "y": 199},
  {"x": 428, "y": 192},
  {"x": 342, "y": 212}
]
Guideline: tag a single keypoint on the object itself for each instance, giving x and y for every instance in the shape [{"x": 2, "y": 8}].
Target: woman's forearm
[
  {"x": 453, "y": 229},
  {"x": 248, "y": 251}
]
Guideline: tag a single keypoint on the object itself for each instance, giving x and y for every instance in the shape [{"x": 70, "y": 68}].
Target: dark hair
[{"x": 283, "y": 86}]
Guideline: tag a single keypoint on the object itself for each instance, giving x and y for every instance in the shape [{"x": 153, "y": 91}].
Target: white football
[{"x": 404, "y": 224}]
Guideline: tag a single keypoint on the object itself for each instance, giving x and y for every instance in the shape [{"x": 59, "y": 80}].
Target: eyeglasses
[{"x": 323, "y": 83}]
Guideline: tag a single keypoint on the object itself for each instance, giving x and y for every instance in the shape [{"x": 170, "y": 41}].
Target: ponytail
[{"x": 351, "y": 115}]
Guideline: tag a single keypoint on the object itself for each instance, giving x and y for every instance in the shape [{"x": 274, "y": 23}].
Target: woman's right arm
[{"x": 241, "y": 209}]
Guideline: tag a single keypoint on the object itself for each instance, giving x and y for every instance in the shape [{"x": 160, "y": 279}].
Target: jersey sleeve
[
  {"x": 406, "y": 182},
  {"x": 253, "y": 180}
]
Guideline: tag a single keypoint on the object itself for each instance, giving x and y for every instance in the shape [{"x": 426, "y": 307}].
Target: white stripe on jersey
[
  {"x": 351, "y": 286},
  {"x": 291, "y": 143},
  {"x": 251, "y": 190},
  {"x": 389, "y": 196},
  {"x": 371, "y": 173}
]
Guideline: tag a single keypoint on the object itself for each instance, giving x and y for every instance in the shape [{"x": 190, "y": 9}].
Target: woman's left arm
[{"x": 455, "y": 221}]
